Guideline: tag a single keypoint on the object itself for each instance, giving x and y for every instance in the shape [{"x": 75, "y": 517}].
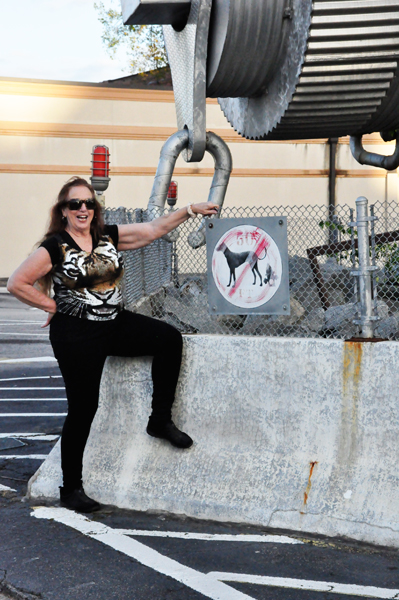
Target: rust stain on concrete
[
  {"x": 309, "y": 485},
  {"x": 351, "y": 384},
  {"x": 353, "y": 352}
]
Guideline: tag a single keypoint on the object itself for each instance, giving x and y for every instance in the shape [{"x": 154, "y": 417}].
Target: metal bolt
[
  {"x": 281, "y": 222},
  {"x": 285, "y": 307},
  {"x": 287, "y": 13},
  {"x": 210, "y": 225},
  {"x": 213, "y": 307}
]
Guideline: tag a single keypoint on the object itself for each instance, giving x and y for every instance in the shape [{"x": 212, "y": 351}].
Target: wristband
[{"x": 190, "y": 212}]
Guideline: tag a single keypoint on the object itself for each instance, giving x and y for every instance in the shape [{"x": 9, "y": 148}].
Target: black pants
[{"x": 81, "y": 347}]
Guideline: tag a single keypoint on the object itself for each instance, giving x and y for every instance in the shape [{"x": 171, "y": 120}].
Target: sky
[{"x": 54, "y": 39}]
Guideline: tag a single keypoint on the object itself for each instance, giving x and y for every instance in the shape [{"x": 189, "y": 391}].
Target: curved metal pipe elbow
[
  {"x": 223, "y": 167},
  {"x": 371, "y": 158},
  {"x": 170, "y": 151},
  {"x": 169, "y": 154}
]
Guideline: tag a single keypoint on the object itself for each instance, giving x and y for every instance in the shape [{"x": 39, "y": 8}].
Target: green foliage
[
  {"x": 143, "y": 44},
  {"x": 389, "y": 254},
  {"x": 335, "y": 226},
  {"x": 332, "y": 226}
]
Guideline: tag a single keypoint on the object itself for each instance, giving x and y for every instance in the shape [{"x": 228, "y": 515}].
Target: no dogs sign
[{"x": 248, "y": 266}]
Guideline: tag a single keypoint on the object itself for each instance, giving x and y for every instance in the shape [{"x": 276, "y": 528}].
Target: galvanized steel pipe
[
  {"x": 371, "y": 158},
  {"x": 366, "y": 306}
]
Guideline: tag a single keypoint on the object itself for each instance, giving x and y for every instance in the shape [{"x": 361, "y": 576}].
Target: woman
[{"x": 87, "y": 321}]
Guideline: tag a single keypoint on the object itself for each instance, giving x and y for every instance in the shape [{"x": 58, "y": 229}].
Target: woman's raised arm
[
  {"x": 138, "y": 235},
  {"x": 21, "y": 283}
]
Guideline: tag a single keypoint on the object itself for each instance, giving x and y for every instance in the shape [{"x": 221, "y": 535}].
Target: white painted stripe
[
  {"x": 28, "y": 360},
  {"x": 48, "y": 437},
  {"x": 5, "y": 488},
  {"x": 208, "y": 586},
  {"x": 22, "y": 333},
  {"x": 213, "y": 537},
  {"x": 33, "y": 414},
  {"x": 23, "y": 456},
  {"x": 24, "y": 378},
  {"x": 32, "y": 399},
  {"x": 314, "y": 586},
  {"x": 19, "y": 322},
  {"x": 25, "y": 389}
]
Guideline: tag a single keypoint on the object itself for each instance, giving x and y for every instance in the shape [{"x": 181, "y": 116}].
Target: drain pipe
[{"x": 332, "y": 178}]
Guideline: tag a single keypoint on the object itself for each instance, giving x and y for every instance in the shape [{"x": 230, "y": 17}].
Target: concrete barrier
[{"x": 299, "y": 434}]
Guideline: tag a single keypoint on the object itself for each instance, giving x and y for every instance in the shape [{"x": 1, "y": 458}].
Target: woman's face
[{"x": 78, "y": 220}]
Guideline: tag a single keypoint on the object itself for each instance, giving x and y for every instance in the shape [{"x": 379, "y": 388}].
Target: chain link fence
[{"x": 169, "y": 281}]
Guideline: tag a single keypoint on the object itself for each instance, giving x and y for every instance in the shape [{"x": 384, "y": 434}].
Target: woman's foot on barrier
[
  {"x": 168, "y": 431},
  {"x": 77, "y": 500}
]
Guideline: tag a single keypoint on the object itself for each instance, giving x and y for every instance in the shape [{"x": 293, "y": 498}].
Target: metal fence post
[{"x": 364, "y": 272}]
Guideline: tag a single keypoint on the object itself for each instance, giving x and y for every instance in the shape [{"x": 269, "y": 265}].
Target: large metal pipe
[{"x": 371, "y": 158}]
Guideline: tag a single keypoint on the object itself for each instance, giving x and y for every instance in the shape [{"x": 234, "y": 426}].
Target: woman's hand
[
  {"x": 137, "y": 235},
  {"x": 49, "y": 317},
  {"x": 205, "y": 208}
]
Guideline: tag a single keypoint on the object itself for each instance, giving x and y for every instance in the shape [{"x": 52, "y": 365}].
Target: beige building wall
[{"x": 48, "y": 130}]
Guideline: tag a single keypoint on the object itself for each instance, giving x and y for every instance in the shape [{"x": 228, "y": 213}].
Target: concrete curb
[{"x": 297, "y": 434}]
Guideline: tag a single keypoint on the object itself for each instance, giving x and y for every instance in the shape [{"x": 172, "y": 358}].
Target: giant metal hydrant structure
[{"x": 282, "y": 69}]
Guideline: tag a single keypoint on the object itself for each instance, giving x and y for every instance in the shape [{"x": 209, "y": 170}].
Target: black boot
[
  {"x": 168, "y": 431},
  {"x": 77, "y": 500}
]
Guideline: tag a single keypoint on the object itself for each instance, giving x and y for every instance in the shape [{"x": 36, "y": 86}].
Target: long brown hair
[{"x": 58, "y": 223}]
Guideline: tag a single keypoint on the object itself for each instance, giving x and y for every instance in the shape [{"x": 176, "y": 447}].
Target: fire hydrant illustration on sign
[{"x": 248, "y": 266}]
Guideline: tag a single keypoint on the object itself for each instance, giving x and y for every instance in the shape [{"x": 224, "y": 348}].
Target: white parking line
[
  {"x": 43, "y": 437},
  {"x": 22, "y": 333},
  {"x": 27, "y": 360},
  {"x": 28, "y": 389},
  {"x": 32, "y": 399},
  {"x": 212, "y": 537},
  {"x": 23, "y": 456},
  {"x": 33, "y": 414},
  {"x": 314, "y": 586},
  {"x": 24, "y": 378},
  {"x": 208, "y": 586},
  {"x": 5, "y": 488},
  {"x": 19, "y": 322}
]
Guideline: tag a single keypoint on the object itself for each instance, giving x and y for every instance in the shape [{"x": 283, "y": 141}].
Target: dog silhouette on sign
[{"x": 236, "y": 259}]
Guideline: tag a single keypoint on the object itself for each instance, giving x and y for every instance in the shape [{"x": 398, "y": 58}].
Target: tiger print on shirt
[{"x": 89, "y": 284}]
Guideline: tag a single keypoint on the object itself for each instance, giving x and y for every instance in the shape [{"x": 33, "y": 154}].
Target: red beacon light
[
  {"x": 100, "y": 169},
  {"x": 172, "y": 194}
]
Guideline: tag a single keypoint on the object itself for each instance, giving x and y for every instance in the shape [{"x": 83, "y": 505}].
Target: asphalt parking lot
[{"x": 54, "y": 554}]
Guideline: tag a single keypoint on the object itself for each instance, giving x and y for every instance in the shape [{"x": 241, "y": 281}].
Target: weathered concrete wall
[{"x": 289, "y": 433}]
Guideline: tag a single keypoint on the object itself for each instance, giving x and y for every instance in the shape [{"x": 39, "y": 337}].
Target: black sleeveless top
[{"x": 87, "y": 284}]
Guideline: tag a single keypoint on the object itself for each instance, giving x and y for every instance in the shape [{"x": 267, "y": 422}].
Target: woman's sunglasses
[{"x": 75, "y": 204}]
